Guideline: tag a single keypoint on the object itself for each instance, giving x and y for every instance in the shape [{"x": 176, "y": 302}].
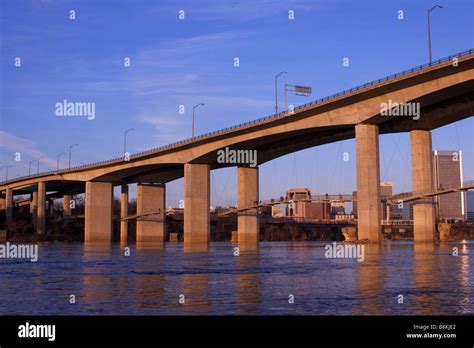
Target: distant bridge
[{"x": 420, "y": 194}]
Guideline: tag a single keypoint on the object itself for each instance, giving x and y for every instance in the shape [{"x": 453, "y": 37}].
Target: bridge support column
[
  {"x": 151, "y": 199},
  {"x": 8, "y": 207},
  {"x": 247, "y": 221},
  {"x": 98, "y": 212},
  {"x": 424, "y": 219},
  {"x": 368, "y": 182},
  {"x": 67, "y": 205},
  {"x": 34, "y": 207},
  {"x": 196, "y": 206},
  {"x": 50, "y": 207},
  {"x": 124, "y": 214},
  {"x": 41, "y": 209}
]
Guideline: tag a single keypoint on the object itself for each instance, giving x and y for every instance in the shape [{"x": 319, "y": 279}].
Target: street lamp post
[
  {"x": 429, "y": 28},
  {"x": 29, "y": 169},
  {"x": 39, "y": 163},
  {"x": 276, "y": 91},
  {"x": 125, "y": 140},
  {"x": 70, "y": 148},
  {"x": 194, "y": 108},
  {"x": 59, "y": 155},
  {"x": 6, "y": 171}
]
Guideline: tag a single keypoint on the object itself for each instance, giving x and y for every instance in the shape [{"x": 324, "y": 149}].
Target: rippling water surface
[{"x": 151, "y": 280}]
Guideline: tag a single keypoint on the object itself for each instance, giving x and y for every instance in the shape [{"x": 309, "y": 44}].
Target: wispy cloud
[
  {"x": 239, "y": 10},
  {"x": 13, "y": 144}
]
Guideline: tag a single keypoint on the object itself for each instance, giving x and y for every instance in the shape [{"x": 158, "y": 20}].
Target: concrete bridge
[{"x": 443, "y": 89}]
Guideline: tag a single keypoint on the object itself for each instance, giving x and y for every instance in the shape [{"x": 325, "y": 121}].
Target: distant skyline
[{"x": 176, "y": 62}]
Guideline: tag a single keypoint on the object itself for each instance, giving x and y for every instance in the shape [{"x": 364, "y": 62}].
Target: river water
[{"x": 151, "y": 281}]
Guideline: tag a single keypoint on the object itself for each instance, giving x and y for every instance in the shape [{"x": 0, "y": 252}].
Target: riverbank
[{"x": 224, "y": 229}]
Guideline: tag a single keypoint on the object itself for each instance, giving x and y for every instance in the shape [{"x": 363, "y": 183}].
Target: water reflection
[
  {"x": 465, "y": 284},
  {"x": 424, "y": 269},
  {"x": 195, "y": 284},
  {"x": 151, "y": 279},
  {"x": 247, "y": 283},
  {"x": 370, "y": 281}
]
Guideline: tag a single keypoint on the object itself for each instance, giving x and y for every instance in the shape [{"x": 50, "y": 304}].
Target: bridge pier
[
  {"x": 98, "y": 212},
  {"x": 368, "y": 182},
  {"x": 41, "y": 209},
  {"x": 67, "y": 205},
  {"x": 151, "y": 199},
  {"x": 196, "y": 206},
  {"x": 424, "y": 219},
  {"x": 247, "y": 221},
  {"x": 34, "y": 208},
  {"x": 8, "y": 207},
  {"x": 124, "y": 214}
]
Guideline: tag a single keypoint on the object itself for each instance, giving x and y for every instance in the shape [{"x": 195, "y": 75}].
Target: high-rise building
[
  {"x": 447, "y": 166},
  {"x": 470, "y": 205},
  {"x": 386, "y": 189}
]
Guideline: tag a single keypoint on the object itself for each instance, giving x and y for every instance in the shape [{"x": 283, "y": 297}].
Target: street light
[
  {"x": 39, "y": 163},
  {"x": 70, "y": 148},
  {"x": 29, "y": 170},
  {"x": 276, "y": 92},
  {"x": 125, "y": 140},
  {"x": 429, "y": 28},
  {"x": 6, "y": 171},
  {"x": 194, "y": 108},
  {"x": 59, "y": 155}
]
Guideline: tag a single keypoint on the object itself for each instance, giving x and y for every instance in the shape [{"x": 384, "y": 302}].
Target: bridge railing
[{"x": 263, "y": 119}]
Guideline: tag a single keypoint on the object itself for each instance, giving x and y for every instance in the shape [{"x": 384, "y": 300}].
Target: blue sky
[{"x": 184, "y": 62}]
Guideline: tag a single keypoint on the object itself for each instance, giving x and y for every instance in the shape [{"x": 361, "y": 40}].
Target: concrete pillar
[
  {"x": 9, "y": 206},
  {"x": 67, "y": 205},
  {"x": 368, "y": 182},
  {"x": 247, "y": 221},
  {"x": 151, "y": 199},
  {"x": 34, "y": 207},
  {"x": 424, "y": 223},
  {"x": 98, "y": 211},
  {"x": 124, "y": 214},
  {"x": 50, "y": 207},
  {"x": 41, "y": 210},
  {"x": 196, "y": 206}
]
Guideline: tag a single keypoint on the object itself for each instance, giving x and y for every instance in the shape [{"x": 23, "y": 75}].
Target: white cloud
[{"x": 13, "y": 144}]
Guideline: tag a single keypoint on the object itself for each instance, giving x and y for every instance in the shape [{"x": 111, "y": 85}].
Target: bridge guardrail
[{"x": 263, "y": 119}]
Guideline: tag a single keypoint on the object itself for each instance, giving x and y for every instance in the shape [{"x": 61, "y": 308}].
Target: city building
[
  {"x": 447, "y": 166},
  {"x": 338, "y": 207},
  {"x": 386, "y": 191},
  {"x": 279, "y": 210},
  {"x": 297, "y": 208},
  {"x": 470, "y": 205},
  {"x": 306, "y": 210}
]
